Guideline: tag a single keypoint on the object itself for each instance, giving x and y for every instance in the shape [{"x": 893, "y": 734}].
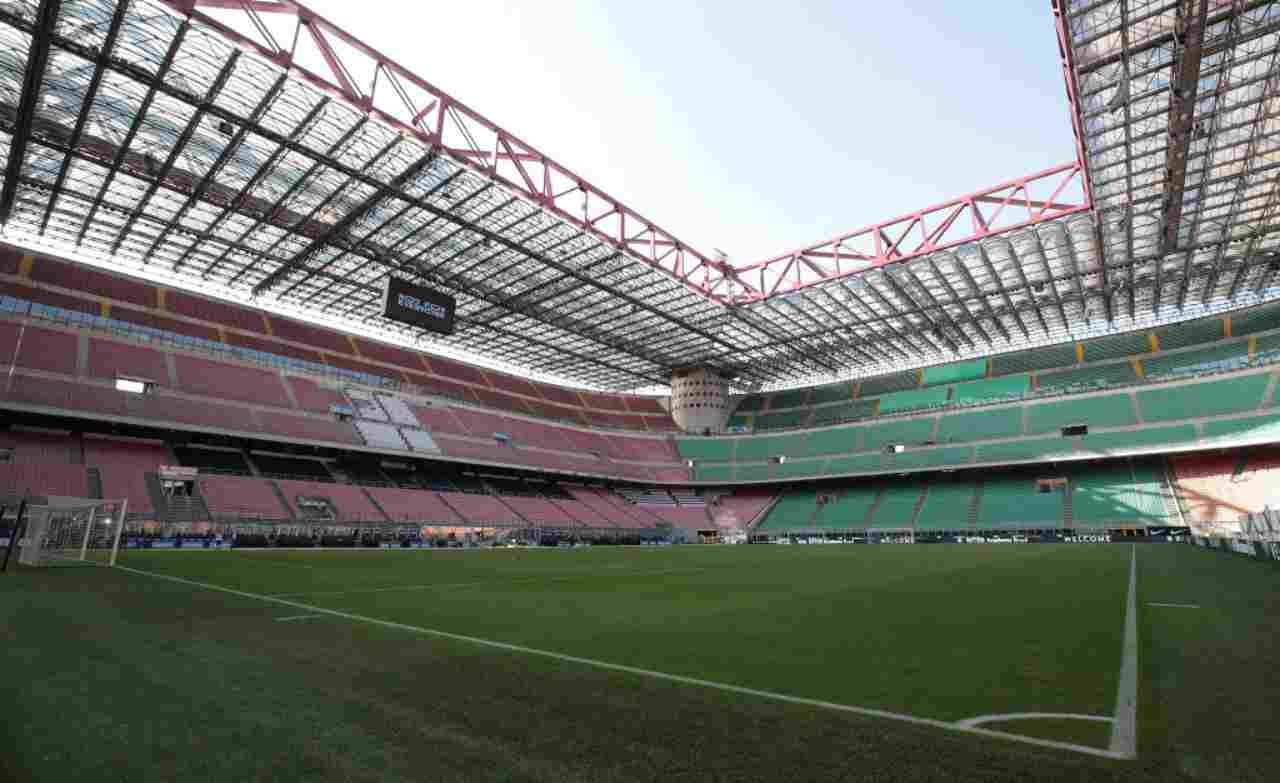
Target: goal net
[{"x": 71, "y": 533}]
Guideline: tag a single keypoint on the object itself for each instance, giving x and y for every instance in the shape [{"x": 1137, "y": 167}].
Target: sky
[{"x": 746, "y": 127}]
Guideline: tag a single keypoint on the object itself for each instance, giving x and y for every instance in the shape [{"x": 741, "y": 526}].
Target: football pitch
[{"x": 947, "y": 662}]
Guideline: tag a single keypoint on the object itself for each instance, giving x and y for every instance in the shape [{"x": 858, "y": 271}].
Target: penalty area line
[
  {"x": 785, "y": 698},
  {"x": 1174, "y": 606}
]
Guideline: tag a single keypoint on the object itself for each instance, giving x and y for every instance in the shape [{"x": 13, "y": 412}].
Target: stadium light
[{"x": 130, "y": 385}]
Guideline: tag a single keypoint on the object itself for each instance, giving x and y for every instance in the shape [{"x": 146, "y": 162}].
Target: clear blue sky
[{"x": 750, "y": 128}]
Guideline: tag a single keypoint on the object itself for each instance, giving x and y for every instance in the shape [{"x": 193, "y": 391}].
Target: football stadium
[{"x": 344, "y": 435}]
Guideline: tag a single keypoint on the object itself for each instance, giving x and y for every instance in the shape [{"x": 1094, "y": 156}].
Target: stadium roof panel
[{"x": 258, "y": 148}]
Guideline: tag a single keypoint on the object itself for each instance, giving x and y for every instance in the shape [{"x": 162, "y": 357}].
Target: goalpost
[{"x": 70, "y": 532}]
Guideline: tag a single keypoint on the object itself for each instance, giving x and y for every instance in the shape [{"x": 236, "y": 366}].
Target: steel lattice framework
[{"x": 253, "y": 147}]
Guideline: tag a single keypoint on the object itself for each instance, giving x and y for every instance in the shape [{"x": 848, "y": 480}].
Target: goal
[{"x": 70, "y": 533}]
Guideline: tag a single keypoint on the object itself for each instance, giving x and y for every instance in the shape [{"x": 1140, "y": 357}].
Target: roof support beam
[
  {"x": 37, "y": 59},
  {"x": 90, "y": 93},
  {"x": 1188, "y": 45}
]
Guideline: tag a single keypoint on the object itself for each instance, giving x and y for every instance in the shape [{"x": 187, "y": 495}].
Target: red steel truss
[
  {"x": 411, "y": 104},
  {"x": 403, "y": 100},
  {"x": 995, "y": 210}
]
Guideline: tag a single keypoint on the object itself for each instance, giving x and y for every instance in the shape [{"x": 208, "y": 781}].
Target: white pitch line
[
  {"x": 291, "y": 618},
  {"x": 1124, "y": 728},
  {"x": 1012, "y": 716},
  {"x": 656, "y": 675},
  {"x": 1175, "y": 606}
]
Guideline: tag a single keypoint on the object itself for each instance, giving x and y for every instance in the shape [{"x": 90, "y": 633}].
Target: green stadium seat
[
  {"x": 835, "y": 392},
  {"x": 1259, "y": 429},
  {"x": 1267, "y": 342},
  {"x": 1116, "y": 495},
  {"x": 1001, "y": 422},
  {"x": 711, "y": 449},
  {"x": 1112, "y": 410},
  {"x": 946, "y": 506},
  {"x": 897, "y": 505},
  {"x": 1184, "y": 335},
  {"x": 793, "y": 511},
  {"x": 955, "y": 372},
  {"x": 850, "y": 411},
  {"x": 1224, "y": 356},
  {"x": 915, "y": 399},
  {"x": 848, "y": 511},
  {"x": 863, "y": 463},
  {"x": 792, "y": 418},
  {"x": 1008, "y": 387},
  {"x": 795, "y": 398},
  {"x": 1112, "y": 374},
  {"x": 873, "y": 387},
  {"x": 908, "y": 431},
  {"x": 752, "y": 472},
  {"x": 1038, "y": 448},
  {"x": 1145, "y": 438},
  {"x": 760, "y": 448},
  {"x": 835, "y": 440},
  {"x": 796, "y": 469},
  {"x": 1210, "y": 398},
  {"x": 1063, "y": 355},
  {"x": 710, "y": 471},
  {"x": 929, "y": 458},
  {"x": 1255, "y": 319},
  {"x": 1013, "y": 502},
  {"x": 751, "y": 403},
  {"x": 1116, "y": 346}
]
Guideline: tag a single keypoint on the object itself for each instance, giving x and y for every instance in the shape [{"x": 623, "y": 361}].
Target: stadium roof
[{"x": 252, "y": 146}]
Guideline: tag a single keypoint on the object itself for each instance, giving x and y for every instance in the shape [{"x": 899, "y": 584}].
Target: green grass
[{"x": 116, "y": 676}]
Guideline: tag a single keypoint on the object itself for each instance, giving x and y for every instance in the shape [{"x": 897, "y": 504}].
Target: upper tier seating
[
  {"x": 229, "y": 381},
  {"x": 112, "y": 359},
  {"x": 281, "y": 341}
]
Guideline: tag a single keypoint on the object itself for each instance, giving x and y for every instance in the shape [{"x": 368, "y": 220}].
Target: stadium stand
[
  {"x": 346, "y": 501},
  {"x": 947, "y": 505},
  {"x": 1216, "y": 488},
  {"x": 233, "y": 498},
  {"x": 123, "y": 465},
  {"x": 1014, "y": 501}
]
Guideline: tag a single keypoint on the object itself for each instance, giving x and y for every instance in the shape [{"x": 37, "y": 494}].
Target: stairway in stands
[
  {"x": 875, "y": 504},
  {"x": 185, "y": 508},
  {"x": 975, "y": 503},
  {"x": 920, "y": 501},
  {"x": 284, "y": 502},
  {"x": 1068, "y": 511},
  {"x": 374, "y": 502}
]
